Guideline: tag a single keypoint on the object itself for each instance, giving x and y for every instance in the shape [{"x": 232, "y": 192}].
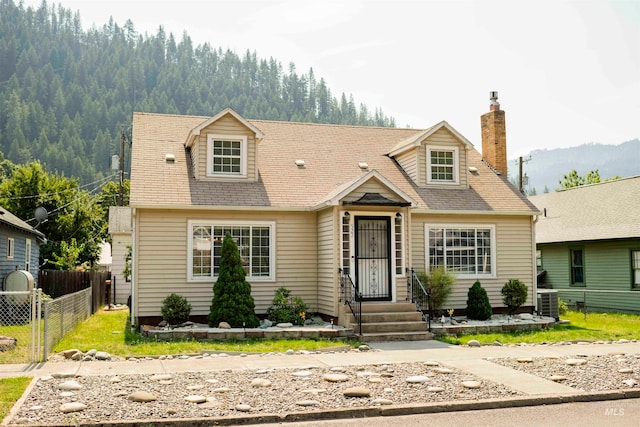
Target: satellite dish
[{"x": 41, "y": 215}]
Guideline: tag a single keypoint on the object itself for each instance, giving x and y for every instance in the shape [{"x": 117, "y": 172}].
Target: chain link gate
[{"x": 21, "y": 326}]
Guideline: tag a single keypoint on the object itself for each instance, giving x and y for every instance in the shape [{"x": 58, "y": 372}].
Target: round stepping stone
[
  {"x": 165, "y": 382},
  {"x": 195, "y": 399},
  {"x": 70, "y": 385},
  {"x": 630, "y": 383},
  {"x": 443, "y": 370},
  {"x": 557, "y": 378},
  {"x": 302, "y": 373},
  {"x": 375, "y": 379},
  {"x": 435, "y": 389},
  {"x": 431, "y": 363},
  {"x": 210, "y": 404},
  {"x": 211, "y": 381},
  {"x": 222, "y": 390},
  {"x": 388, "y": 390},
  {"x": 471, "y": 384},
  {"x": 417, "y": 379},
  {"x": 625, "y": 371},
  {"x": 67, "y": 394},
  {"x": 67, "y": 408},
  {"x": 142, "y": 396},
  {"x": 195, "y": 387},
  {"x": 335, "y": 378},
  {"x": 115, "y": 380},
  {"x": 367, "y": 374},
  {"x": 338, "y": 369},
  {"x": 260, "y": 382},
  {"x": 525, "y": 360},
  {"x": 314, "y": 391},
  {"x": 382, "y": 401},
  {"x": 63, "y": 374},
  {"x": 357, "y": 392},
  {"x": 576, "y": 362},
  {"x": 161, "y": 377},
  {"x": 120, "y": 394},
  {"x": 307, "y": 403},
  {"x": 243, "y": 407}
]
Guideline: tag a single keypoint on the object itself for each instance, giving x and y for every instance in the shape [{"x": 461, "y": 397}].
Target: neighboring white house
[{"x": 120, "y": 231}]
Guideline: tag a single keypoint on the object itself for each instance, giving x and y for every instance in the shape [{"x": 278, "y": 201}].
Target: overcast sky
[{"x": 567, "y": 72}]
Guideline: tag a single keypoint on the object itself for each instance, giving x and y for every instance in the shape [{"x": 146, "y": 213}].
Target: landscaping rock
[
  {"x": 417, "y": 379},
  {"x": 335, "y": 378},
  {"x": 471, "y": 384},
  {"x": 382, "y": 401},
  {"x": 224, "y": 325},
  {"x": 575, "y": 362},
  {"x": 70, "y": 385},
  {"x": 473, "y": 343},
  {"x": 284, "y": 325},
  {"x": 260, "y": 382},
  {"x": 306, "y": 403},
  {"x": 102, "y": 355},
  {"x": 195, "y": 399},
  {"x": 70, "y": 407},
  {"x": 142, "y": 396},
  {"x": 357, "y": 392},
  {"x": 243, "y": 407}
]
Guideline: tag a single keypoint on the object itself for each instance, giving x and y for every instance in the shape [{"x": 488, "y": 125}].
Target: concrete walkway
[{"x": 468, "y": 359}]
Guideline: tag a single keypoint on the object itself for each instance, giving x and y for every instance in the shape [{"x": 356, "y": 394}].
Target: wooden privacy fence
[{"x": 56, "y": 283}]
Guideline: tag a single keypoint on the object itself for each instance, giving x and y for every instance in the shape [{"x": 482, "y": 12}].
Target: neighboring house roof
[
  {"x": 12, "y": 221},
  {"x": 608, "y": 210},
  {"x": 331, "y": 154}
]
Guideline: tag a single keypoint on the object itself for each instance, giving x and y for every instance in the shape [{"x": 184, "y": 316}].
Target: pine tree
[
  {"x": 478, "y": 305},
  {"x": 232, "y": 301}
]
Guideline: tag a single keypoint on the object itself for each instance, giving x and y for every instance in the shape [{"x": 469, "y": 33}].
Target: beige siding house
[{"x": 315, "y": 206}]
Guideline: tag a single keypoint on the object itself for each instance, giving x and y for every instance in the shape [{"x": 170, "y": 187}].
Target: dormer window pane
[
  {"x": 442, "y": 166},
  {"x": 227, "y": 156}
]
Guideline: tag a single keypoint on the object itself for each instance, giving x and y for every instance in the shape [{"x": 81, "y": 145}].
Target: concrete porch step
[
  {"x": 393, "y": 336},
  {"x": 387, "y": 307},
  {"x": 411, "y": 316}
]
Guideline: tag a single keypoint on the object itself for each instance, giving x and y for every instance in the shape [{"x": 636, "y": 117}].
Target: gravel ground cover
[
  {"x": 233, "y": 393},
  {"x": 586, "y": 373}
]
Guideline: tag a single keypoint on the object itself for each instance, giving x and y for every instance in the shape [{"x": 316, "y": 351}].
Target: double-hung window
[
  {"x": 10, "y": 247},
  {"x": 255, "y": 241},
  {"x": 577, "y": 267},
  {"x": 27, "y": 254},
  {"x": 227, "y": 156},
  {"x": 468, "y": 251},
  {"x": 442, "y": 165},
  {"x": 635, "y": 269}
]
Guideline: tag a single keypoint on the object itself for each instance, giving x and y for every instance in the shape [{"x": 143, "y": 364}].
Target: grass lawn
[
  {"x": 108, "y": 331},
  {"x": 596, "y": 327},
  {"x": 11, "y": 390}
]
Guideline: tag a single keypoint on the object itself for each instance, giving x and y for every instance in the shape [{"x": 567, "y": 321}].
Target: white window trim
[
  {"x": 272, "y": 248},
  {"x": 10, "y": 247},
  {"x": 243, "y": 154},
  {"x": 402, "y": 245},
  {"x": 27, "y": 254},
  {"x": 492, "y": 227},
  {"x": 456, "y": 164}
]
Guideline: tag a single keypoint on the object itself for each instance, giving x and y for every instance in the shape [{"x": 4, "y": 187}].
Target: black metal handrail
[
  {"x": 350, "y": 295},
  {"x": 417, "y": 294}
]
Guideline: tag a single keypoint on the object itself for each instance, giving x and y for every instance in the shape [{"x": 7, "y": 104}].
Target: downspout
[
  {"x": 134, "y": 261},
  {"x": 534, "y": 283}
]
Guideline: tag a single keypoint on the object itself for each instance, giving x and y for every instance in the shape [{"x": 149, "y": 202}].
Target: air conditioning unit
[{"x": 548, "y": 303}]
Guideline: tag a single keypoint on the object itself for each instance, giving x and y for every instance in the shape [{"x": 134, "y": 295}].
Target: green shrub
[
  {"x": 562, "y": 307},
  {"x": 175, "y": 309},
  {"x": 478, "y": 305},
  {"x": 438, "y": 282},
  {"x": 232, "y": 301},
  {"x": 287, "y": 309},
  {"x": 514, "y": 294}
]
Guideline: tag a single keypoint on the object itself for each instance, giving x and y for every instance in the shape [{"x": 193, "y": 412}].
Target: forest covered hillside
[{"x": 67, "y": 92}]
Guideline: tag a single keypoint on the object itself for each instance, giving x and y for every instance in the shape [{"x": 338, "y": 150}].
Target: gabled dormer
[
  {"x": 436, "y": 157},
  {"x": 224, "y": 148}
]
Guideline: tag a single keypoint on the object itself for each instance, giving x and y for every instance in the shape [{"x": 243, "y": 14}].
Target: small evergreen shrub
[
  {"x": 175, "y": 309},
  {"x": 287, "y": 309},
  {"x": 562, "y": 307},
  {"x": 439, "y": 283},
  {"x": 232, "y": 301},
  {"x": 514, "y": 294},
  {"x": 478, "y": 305}
]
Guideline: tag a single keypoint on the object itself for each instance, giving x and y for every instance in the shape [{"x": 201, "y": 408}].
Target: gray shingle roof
[
  {"x": 608, "y": 210},
  {"x": 13, "y": 221}
]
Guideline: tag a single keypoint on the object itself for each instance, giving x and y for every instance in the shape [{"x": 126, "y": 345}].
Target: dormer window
[
  {"x": 227, "y": 156},
  {"x": 442, "y": 165}
]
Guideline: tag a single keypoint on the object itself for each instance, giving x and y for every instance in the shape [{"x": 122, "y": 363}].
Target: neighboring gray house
[
  {"x": 120, "y": 231},
  {"x": 588, "y": 242},
  {"x": 19, "y": 246}
]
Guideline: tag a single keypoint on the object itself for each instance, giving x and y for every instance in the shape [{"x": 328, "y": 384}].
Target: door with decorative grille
[{"x": 373, "y": 258}]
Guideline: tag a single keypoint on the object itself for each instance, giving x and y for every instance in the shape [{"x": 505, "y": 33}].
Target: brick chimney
[{"x": 494, "y": 136}]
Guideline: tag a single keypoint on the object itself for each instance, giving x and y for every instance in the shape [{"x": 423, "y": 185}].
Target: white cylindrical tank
[{"x": 18, "y": 281}]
